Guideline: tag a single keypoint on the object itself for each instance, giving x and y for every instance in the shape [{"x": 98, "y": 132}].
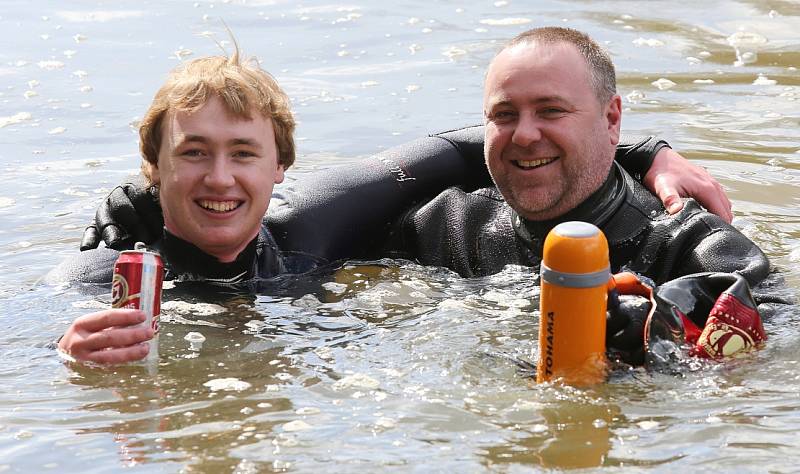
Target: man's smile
[
  {"x": 218, "y": 206},
  {"x": 531, "y": 164}
]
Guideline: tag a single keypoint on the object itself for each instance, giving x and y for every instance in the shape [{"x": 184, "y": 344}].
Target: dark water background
[{"x": 378, "y": 368}]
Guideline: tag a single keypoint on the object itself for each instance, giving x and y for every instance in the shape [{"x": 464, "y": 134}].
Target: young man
[{"x": 216, "y": 138}]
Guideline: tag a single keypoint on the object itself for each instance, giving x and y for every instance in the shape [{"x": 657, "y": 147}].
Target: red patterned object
[
  {"x": 714, "y": 313},
  {"x": 732, "y": 327},
  {"x": 138, "y": 276}
]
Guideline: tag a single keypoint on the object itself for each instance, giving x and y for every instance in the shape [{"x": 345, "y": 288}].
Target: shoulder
[
  {"x": 457, "y": 212},
  {"x": 702, "y": 241},
  {"x": 90, "y": 266}
]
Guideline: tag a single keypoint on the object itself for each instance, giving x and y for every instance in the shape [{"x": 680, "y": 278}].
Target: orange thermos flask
[{"x": 574, "y": 292}]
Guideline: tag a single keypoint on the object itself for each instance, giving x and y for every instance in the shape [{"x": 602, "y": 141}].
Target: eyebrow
[
  {"x": 232, "y": 142},
  {"x": 503, "y": 101}
]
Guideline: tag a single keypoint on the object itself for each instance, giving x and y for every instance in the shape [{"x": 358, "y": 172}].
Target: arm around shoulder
[{"x": 89, "y": 266}]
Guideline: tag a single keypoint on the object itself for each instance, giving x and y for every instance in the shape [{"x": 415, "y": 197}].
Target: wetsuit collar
[
  {"x": 188, "y": 262},
  {"x": 596, "y": 209}
]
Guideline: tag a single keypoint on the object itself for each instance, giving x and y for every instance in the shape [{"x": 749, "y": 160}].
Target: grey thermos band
[{"x": 575, "y": 280}]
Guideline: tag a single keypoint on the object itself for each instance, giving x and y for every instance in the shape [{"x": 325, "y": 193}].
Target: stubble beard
[{"x": 546, "y": 201}]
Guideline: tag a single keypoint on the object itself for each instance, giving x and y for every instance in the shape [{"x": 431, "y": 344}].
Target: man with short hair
[{"x": 552, "y": 123}]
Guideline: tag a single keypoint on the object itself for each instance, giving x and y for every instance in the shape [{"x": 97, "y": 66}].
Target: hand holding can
[{"x": 136, "y": 284}]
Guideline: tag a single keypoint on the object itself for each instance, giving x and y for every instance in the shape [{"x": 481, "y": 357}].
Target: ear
[
  {"x": 152, "y": 172},
  {"x": 613, "y": 114},
  {"x": 279, "y": 174}
]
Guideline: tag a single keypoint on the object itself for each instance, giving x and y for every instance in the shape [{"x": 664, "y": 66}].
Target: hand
[
  {"x": 625, "y": 323},
  {"x": 130, "y": 213},
  {"x": 111, "y": 336},
  {"x": 673, "y": 176}
]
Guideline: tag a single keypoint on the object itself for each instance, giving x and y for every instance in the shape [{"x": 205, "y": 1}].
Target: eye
[
  {"x": 552, "y": 112},
  {"x": 244, "y": 154},
  {"x": 502, "y": 116},
  {"x": 193, "y": 152}
]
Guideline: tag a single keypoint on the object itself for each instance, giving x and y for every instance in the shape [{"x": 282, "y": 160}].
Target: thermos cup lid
[{"x": 576, "y": 247}]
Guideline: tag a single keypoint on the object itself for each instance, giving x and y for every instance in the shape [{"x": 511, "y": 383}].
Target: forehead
[
  {"x": 537, "y": 68},
  {"x": 215, "y": 118}
]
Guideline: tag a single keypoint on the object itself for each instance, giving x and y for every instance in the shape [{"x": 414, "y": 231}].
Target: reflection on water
[{"x": 382, "y": 366}]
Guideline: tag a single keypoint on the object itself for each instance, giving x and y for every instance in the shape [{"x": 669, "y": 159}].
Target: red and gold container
[{"x": 138, "y": 275}]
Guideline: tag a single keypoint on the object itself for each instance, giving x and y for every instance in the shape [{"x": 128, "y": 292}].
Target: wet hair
[
  {"x": 601, "y": 69},
  {"x": 242, "y": 86}
]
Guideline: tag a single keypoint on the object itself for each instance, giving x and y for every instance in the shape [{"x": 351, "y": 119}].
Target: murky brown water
[{"x": 391, "y": 368}]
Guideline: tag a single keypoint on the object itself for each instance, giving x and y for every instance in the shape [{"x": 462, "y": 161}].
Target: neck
[
  {"x": 596, "y": 209},
  {"x": 185, "y": 258}
]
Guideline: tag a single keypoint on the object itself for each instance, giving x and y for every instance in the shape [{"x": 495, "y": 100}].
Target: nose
[
  {"x": 220, "y": 173},
  {"x": 527, "y": 131}
]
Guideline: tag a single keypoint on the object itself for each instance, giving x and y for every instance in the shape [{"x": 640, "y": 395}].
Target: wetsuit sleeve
[
  {"x": 346, "y": 211},
  {"x": 697, "y": 241},
  {"x": 90, "y": 266},
  {"x": 636, "y": 154},
  {"x": 724, "y": 249}
]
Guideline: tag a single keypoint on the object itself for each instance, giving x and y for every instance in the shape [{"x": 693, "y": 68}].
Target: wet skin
[
  {"x": 215, "y": 173},
  {"x": 549, "y": 141}
]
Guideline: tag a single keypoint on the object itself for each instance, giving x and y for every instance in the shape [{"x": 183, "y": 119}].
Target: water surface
[{"x": 378, "y": 368}]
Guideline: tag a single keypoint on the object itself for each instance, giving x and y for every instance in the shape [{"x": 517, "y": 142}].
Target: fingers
[
  {"x": 112, "y": 340},
  {"x": 119, "y": 355},
  {"x": 717, "y": 201},
  {"x": 111, "y": 336},
  {"x": 671, "y": 200},
  {"x": 109, "y": 318},
  {"x": 114, "y": 237},
  {"x": 671, "y": 177},
  {"x": 90, "y": 238}
]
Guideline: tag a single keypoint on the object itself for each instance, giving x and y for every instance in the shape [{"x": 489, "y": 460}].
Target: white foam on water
[
  {"x": 335, "y": 288},
  {"x": 296, "y": 425},
  {"x": 356, "y": 381},
  {"x": 50, "y": 65},
  {"x": 505, "y": 21},
  {"x": 229, "y": 384},
  {"x": 663, "y": 84},
  {"x": 385, "y": 423},
  {"x": 325, "y": 353},
  {"x": 651, "y": 42},
  {"x": 89, "y": 304},
  {"x": 763, "y": 80},
  {"x": 98, "y": 16},
  {"x": 648, "y": 425},
  {"x": 453, "y": 52},
  {"x": 15, "y": 119},
  {"x": 195, "y": 309},
  {"x": 635, "y": 96}
]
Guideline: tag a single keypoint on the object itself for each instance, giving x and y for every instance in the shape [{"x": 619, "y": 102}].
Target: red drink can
[{"x": 138, "y": 275}]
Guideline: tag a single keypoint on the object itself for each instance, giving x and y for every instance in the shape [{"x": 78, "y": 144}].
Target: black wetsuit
[
  {"x": 478, "y": 233},
  {"x": 345, "y": 212},
  {"x": 185, "y": 262}
]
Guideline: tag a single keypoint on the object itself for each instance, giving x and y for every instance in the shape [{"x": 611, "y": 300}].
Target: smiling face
[
  {"x": 549, "y": 141},
  {"x": 215, "y": 173}
]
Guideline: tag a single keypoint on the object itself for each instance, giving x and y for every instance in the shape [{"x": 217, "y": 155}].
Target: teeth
[
  {"x": 534, "y": 163},
  {"x": 218, "y": 206}
]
